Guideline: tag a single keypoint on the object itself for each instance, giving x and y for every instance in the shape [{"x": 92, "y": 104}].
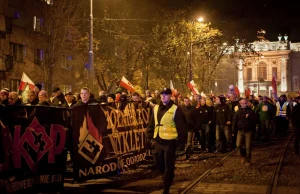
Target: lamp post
[
  {"x": 91, "y": 52},
  {"x": 200, "y": 19}
]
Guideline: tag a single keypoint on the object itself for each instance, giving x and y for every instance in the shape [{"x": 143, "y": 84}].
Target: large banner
[
  {"x": 32, "y": 149},
  {"x": 107, "y": 138}
]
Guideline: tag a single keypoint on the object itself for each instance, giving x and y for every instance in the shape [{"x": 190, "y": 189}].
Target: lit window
[
  {"x": 38, "y": 56},
  {"x": 38, "y": 24}
]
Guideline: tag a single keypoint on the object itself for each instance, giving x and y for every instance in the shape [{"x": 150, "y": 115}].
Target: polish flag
[
  {"x": 247, "y": 92},
  {"x": 236, "y": 91},
  {"x": 26, "y": 81},
  {"x": 172, "y": 88},
  {"x": 192, "y": 86},
  {"x": 126, "y": 84},
  {"x": 274, "y": 86}
]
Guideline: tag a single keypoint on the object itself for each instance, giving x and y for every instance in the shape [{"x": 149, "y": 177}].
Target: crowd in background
[{"x": 210, "y": 119}]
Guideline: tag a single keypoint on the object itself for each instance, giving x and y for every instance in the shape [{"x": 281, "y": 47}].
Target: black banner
[
  {"x": 32, "y": 149},
  {"x": 107, "y": 138}
]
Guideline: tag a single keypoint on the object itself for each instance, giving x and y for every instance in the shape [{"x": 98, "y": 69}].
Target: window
[
  {"x": 38, "y": 24},
  {"x": 66, "y": 61},
  {"x": 274, "y": 72},
  {"x": 18, "y": 51},
  {"x": 8, "y": 24},
  {"x": 274, "y": 47},
  {"x": 49, "y": 2},
  {"x": 262, "y": 72},
  {"x": 14, "y": 84},
  {"x": 38, "y": 56},
  {"x": 249, "y": 73}
]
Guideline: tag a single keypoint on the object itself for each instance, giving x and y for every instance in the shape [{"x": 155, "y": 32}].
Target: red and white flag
[
  {"x": 236, "y": 91},
  {"x": 126, "y": 84},
  {"x": 172, "y": 88},
  {"x": 274, "y": 86},
  {"x": 26, "y": 81},
  {"x": 247, "y": 92},
  {"x": 192, "y": 86}
]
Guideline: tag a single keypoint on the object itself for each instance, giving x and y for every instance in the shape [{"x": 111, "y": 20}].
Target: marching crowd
[{"x": 218, "y": 123}]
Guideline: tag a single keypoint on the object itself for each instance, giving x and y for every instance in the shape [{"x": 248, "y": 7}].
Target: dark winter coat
[
  {"x": 204, "y": 114},
  {"x": 190, "y": 115},
  {"x": 241, "y": 123},
  {"x": 222, "y": 114}
]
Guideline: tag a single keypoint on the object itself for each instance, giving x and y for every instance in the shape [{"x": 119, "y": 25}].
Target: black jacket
[
  {"x": 180, "y": 121},
  {"x": 241, "y": 123},
  {"x": 58, "y": 100},
  {"x": 190, "y": 115},
  {"x": 222, "y": 114},
  {"x": 296, "y": 116},
  {"x": 204, "y": 114}
]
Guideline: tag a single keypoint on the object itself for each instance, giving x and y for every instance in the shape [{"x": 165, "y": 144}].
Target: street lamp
[
  {"x": 200, "y": 19},
  {"x": 91, "y": 52}
]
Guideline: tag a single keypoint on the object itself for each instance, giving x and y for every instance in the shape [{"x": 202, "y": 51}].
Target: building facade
[
  {"x": 26, "y": 47},
  {"x": 280, "y": 59}
]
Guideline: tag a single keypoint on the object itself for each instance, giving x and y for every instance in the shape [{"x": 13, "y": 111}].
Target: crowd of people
[{"x": 216, "y": 123}]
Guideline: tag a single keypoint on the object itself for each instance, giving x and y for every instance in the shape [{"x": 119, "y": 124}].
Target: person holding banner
[{"x": 167, "y": 127}]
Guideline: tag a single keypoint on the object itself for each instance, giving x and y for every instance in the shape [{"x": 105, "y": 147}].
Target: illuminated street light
[{"x": 200, "y": 19}]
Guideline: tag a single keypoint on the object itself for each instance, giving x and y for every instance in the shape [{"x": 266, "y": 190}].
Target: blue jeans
[
  {"x": 220, "y": 144},
  {"x": 245, "y": 151}
]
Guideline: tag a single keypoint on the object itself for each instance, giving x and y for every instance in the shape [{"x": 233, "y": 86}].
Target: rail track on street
[{"x": 275, "y": 174}]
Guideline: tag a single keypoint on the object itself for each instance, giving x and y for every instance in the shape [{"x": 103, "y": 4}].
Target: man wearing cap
[
  {"x": 70, "y": 102},
  {"x": 59, "y": 98},
  {"x": 167, "y": 127}
]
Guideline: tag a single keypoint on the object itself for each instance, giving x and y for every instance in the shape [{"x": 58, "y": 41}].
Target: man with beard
[{"x": 167, "y": 127}]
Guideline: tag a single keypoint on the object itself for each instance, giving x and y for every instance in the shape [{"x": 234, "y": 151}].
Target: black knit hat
[
  {"x": 113, "y": 96},
  {"x": 39, "y": 86}
]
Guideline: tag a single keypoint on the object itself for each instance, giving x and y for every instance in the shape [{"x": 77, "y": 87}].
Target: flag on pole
[
  {"x": 192, "y": 86},
  {"x": 274, "y": 87},
  {"x": 247, "y": 92},
  {"x": 26, "y": 81},
  {"x": 172, "y": 88},
  {"x": 236, "y": 91},
  {"x": 126, "y": 84}
]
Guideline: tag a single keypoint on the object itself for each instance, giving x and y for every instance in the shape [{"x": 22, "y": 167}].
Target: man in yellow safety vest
[{"x": 167, "y": 127}]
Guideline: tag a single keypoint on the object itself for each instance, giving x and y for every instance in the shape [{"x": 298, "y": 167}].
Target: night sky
[{"x": 235, "y": 18}]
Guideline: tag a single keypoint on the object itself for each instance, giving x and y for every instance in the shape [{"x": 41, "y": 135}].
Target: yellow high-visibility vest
[
  {"x": 166, "y": 129},
  {"x": 281, "y": 111}
]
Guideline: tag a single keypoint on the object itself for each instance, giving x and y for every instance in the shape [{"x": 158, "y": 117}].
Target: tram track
[{"x": 273, "y": 182}]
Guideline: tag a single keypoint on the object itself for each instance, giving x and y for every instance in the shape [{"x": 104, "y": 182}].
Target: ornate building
[{"x": 279, "y": 58}]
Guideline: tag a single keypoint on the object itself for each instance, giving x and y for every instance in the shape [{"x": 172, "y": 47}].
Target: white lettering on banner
[
  {"x": 17, "y": 185},
  {"x": 128, "y": 141},
  {"x": 13, "y": 186},
  {"x": 98, "y": 169},
  {"x": 110, "y": 167},
  {"x": 129, "y": 117},
  {"x": 135, "y": 159}
]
